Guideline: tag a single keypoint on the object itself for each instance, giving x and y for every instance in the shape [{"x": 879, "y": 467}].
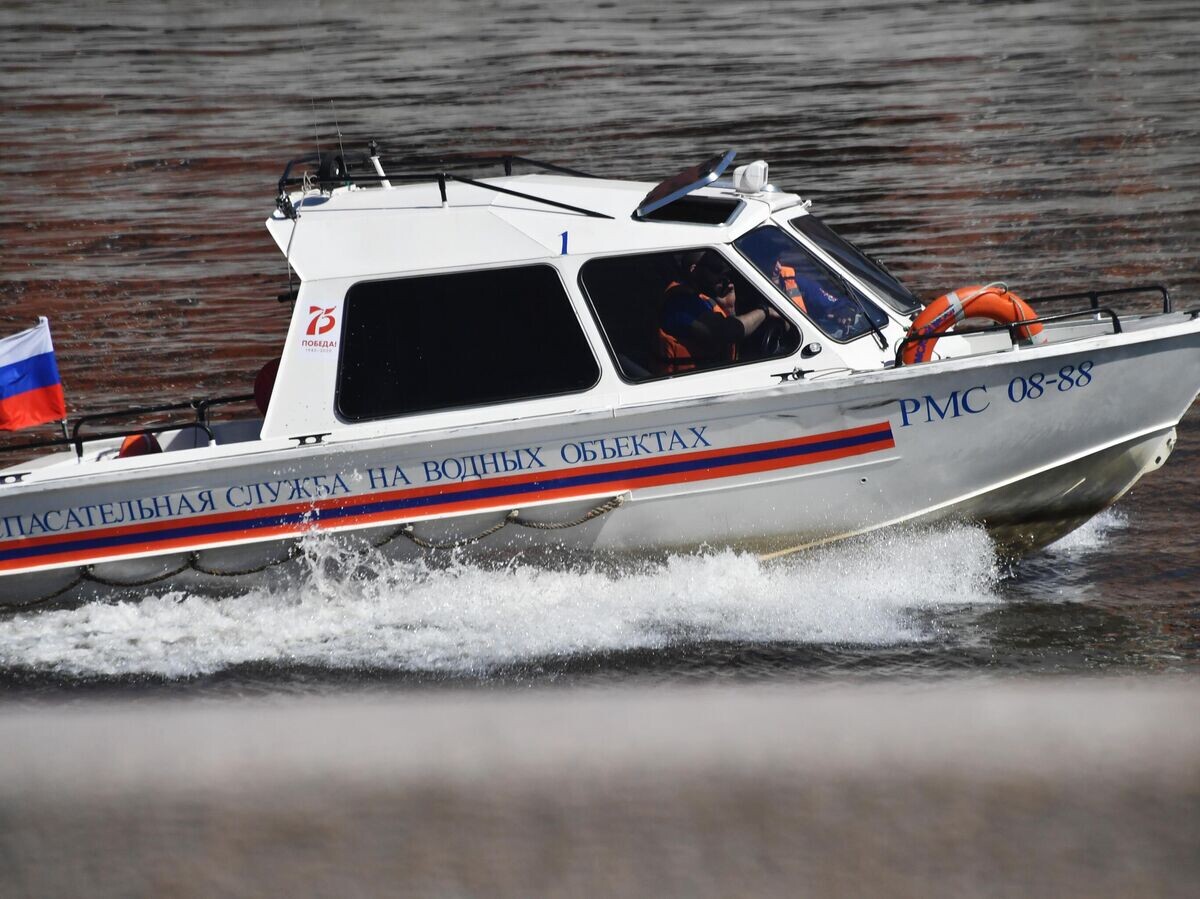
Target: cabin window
[
  {"x": 840, "y": 310},
  {"x": 657, "y": 312},
  {"x": 867, "y": 267},
  {"x": 465, "y": 339}
]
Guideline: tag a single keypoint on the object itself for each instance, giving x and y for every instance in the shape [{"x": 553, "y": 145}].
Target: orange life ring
[{"x": 991, "y": 301}]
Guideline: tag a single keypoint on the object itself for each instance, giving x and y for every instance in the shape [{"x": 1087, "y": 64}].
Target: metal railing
[
  {"x": 438, "y": 173},
  {"x": 430, "y": 163},
  {"x": 1093, "y": 311},
  {"x": 1013, "y": 328},
  {"x": 200, "y": 420},
  {"x": 1093, "y": 296}
]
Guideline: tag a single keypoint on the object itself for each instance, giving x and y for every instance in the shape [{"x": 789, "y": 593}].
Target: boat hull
[{"x": 1030, "y": 443}]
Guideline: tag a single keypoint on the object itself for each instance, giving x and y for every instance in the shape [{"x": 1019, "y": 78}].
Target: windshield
[
  {"x": 871, "y": 270},
  {"x": 834, "y": 306}
]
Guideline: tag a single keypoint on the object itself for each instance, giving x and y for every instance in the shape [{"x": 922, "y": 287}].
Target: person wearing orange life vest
[
  {"x": 784, "y": 277},
  {"x": 835, "y": 314},
  {"x": 699, "y": 323}
]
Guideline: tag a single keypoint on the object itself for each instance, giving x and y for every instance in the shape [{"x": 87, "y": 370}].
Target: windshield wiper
[{"x": 853, "y": 294}]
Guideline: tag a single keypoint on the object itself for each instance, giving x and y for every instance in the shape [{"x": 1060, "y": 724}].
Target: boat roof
[{"x": 357, "y": 231}]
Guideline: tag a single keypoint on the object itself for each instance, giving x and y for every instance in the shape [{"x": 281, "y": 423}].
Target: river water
[{"x": 1052, "y": 145}]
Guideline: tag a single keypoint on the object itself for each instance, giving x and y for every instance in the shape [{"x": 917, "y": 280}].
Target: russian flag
[{"x": 30, "y": 389}]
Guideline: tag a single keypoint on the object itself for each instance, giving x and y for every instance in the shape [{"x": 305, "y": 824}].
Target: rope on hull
[{"x": 88, "y": 574}]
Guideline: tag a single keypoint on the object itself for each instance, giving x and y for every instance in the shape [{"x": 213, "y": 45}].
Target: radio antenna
[
  {"x": 316, "y": 132},
  {"x": 338, "y": 128}
]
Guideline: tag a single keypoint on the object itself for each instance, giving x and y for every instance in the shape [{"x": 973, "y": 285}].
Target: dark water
[{"x": 1052, "y": 145}]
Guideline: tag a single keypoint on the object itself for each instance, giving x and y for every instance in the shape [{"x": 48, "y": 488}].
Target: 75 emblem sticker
[{"x": 320, "y": 333}]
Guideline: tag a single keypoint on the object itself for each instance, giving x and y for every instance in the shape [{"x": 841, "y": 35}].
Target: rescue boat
[{"x": 486, "y": 364}]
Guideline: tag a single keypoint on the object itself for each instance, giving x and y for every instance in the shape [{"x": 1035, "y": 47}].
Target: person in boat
[
  {"x": 806, "y": 283},
  {"x": 784, "y": 277},
  {"x": 699, "y": 324},
  {"x": 836, "y": 313},
  {"x": 837, "y": 316}
]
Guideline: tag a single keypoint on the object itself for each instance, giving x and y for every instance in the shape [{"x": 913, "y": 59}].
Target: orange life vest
[
  {"x": 787, "y": 280},
  {"x": 674, "y": 353}
]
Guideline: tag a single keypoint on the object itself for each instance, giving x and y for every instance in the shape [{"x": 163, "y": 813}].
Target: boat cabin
[{"x": 451, "y": 301}]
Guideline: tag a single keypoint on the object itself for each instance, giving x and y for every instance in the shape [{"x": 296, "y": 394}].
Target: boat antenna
[
  {"x": 338, "y": 128},
  {"x": 316, "y": 132},
  {"x": 292, "y": 291}
]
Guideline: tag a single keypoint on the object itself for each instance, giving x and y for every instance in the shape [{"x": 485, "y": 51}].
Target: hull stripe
[{"x": 392, "y": 506}]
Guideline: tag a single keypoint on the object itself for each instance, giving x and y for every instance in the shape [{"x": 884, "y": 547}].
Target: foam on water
[
  {"x": 1090, "y": 536},
  {"x": 466, "y": 619}
]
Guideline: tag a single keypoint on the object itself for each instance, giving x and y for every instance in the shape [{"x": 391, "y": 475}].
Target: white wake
[{"x": 466, "y": 619}]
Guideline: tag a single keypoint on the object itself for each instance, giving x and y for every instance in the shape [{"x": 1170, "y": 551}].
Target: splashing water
[
  {"x": 1090, "y": 536},
  {"x": 409, "y": 616}
]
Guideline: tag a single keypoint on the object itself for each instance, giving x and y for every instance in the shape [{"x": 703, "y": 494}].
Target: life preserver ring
[{"x": 994, "y": 301}]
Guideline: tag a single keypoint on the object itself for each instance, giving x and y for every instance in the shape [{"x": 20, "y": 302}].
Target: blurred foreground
[{"x": 1049, "y": 787}]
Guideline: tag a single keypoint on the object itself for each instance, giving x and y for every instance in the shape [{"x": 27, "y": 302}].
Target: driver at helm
[{"x": 699, "y": 324}]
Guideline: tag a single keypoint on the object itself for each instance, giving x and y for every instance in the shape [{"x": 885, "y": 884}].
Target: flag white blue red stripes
[{"x": 30, "y": 389}]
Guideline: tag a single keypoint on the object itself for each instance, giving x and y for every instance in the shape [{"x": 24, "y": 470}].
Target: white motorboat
[{"x": 503, "y": 363}]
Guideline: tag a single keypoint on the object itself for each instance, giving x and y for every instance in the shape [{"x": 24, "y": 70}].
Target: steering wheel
[{"x": 768, "y": 339}]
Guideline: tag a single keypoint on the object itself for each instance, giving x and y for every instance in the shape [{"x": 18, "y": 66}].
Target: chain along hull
[{"x": 1030, "y": 443}]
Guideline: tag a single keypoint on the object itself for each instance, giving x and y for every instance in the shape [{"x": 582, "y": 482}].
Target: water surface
[{"x": 1051, "y": 145}]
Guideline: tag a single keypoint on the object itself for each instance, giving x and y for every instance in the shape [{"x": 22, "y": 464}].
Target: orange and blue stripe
[{"x": 395, "y": 506}]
